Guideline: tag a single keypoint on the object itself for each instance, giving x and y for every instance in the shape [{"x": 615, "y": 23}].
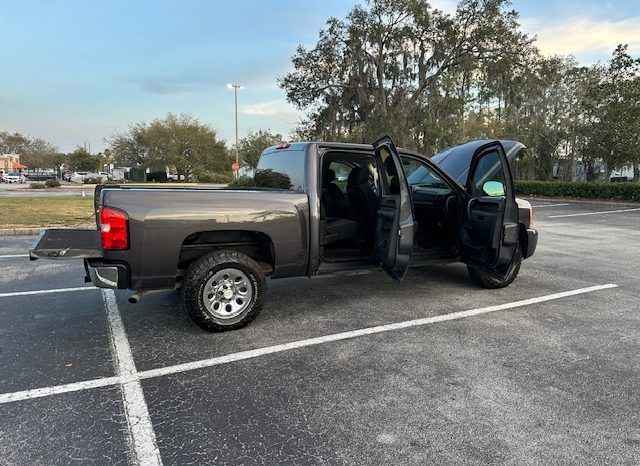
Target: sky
[{"x": 74, "y": 72}]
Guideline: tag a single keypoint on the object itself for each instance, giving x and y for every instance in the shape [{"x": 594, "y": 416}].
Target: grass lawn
[{"x": 45, "y": 211}]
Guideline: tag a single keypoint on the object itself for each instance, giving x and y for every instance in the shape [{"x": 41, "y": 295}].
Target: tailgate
[{"x": 67, "y": 244}]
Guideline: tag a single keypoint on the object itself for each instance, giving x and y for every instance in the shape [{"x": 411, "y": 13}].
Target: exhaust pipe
[{"x": 135, "y": 297}]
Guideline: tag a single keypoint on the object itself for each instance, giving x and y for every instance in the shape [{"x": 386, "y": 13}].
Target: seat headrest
[
  {"x": 328, "y": 175},
  {"x": 357, "y": 176}
]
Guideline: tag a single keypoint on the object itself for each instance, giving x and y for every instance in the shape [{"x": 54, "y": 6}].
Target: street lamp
[{"x": 235, "y": 88}]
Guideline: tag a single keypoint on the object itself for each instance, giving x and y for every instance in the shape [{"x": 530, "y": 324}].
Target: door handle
[{"x": 471, "y": 202}]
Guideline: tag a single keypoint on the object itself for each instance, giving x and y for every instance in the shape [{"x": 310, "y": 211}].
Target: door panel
[
  {"x": 394, "y": 229},
  {"x": 489, "y": 232}
]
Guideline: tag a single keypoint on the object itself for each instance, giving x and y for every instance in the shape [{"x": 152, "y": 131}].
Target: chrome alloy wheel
[{"x": 227, "y": 293}]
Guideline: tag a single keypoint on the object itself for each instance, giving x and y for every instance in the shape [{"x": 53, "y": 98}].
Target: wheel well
[{"x": 254, "y": 244}]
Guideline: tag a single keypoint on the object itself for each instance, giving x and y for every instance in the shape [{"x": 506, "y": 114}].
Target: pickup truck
[{"x": 395, "y": 209}]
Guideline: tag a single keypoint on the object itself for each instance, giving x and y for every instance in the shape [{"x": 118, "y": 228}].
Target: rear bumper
[
  {"x": 532, "y": 242},
  {"x": 105, "y": 275}
]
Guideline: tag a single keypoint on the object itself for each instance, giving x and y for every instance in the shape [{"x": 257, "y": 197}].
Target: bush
[
  {"x": 579, "y": 189},
  {"x": 92, "y": 180},
  {"x": 37, "y": 186},
  {"x": 211, "y": 177},
  {"x": 242, "y": 182},
  {"x": 52, "y": 183},
  {"x": 221, "y": 178}
]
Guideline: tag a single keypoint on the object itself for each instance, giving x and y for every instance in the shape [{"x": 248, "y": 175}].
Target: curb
[
  {"x": 20, "y": 231},
  {"x": 581, "y": 200}
]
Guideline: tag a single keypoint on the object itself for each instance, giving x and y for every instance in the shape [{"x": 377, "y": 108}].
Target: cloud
[
  {"x": 448, "y": 6},
  {"x": 279, "y": 109},
  {"x": 586, "y": 37}
]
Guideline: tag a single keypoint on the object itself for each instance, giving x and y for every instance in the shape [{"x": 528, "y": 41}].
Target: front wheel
[
  {"x": 224, "y": 290},
  {"x": 487, "y": 281}
]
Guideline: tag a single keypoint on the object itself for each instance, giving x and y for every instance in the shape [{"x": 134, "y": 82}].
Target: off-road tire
[
  {"x": 487, "y": 281},
  {"x": 206, "y": 267}
]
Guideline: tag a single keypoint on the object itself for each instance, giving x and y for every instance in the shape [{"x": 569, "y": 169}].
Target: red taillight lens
[{"x": 114, "y": 229}]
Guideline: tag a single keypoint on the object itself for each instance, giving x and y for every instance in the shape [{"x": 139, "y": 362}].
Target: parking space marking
[
  {"x": 594, "y": 213},
  {"x": 142, "y": 438},
  {"x": 54, "y": 290},
  {"x": 360, "y": 332},
  {"x": 55, "y": 390},
  {"x": 549, "y": 205},
  {"x": 11, "y": 256},
  {"x": 135, "y": 399}
]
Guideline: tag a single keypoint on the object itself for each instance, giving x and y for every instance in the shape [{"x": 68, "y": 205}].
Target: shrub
[
  {"x": 52, "y": 183},
  {"x": 242, "y": 182},
  {"x": 579, "y": 189},
  {"x": 221, "y": 178},
  {"x": 211, "y": 177},
  {"x": 37, "y": 185},
  {"x": 92, "y": 181},
  {"x": 203, "y": 177}
]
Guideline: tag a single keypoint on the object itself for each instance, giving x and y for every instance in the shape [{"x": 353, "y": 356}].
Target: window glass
[
  {"x": 488, "y": 169},
  {"x": 282, "y": 169},
  {"x": 389, "y": 172},
  {"x": 342, "y": 174}
]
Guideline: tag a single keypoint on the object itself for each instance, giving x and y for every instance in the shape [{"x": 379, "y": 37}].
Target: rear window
[{"x": 281, "y": 169}]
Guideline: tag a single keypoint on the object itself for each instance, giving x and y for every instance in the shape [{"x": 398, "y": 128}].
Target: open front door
[
  {"x": 394, "y": 228},
  {"x": 489, "y": 230}
]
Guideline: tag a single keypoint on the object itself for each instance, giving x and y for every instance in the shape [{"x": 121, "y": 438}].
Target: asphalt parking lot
[{"x": 544, "y": 371}]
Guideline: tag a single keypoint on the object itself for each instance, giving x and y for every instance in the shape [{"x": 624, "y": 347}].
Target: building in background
[{"x": 10, "y": 163}]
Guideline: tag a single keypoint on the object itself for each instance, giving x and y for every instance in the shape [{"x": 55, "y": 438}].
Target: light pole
[{"x": 235, "y": 88}]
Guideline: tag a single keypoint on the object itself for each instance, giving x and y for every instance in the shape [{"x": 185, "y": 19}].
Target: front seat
[{"x": 362, "y": 199}]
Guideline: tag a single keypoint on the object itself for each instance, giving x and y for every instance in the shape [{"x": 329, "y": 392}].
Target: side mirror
[{"x": 493, "y": 188}]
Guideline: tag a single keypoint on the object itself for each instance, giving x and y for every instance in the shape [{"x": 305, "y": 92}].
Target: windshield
[{"x": 424, "y": 178}]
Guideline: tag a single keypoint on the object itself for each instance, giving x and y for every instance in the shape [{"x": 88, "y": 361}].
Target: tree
[
  {"x": 38, "y": 153},
  {"x": 81, "y": 160},
  {"x": 179, "y": 141},
  {"x": 12, "y": 143},
  {"x": 252, "y": 146},
  {"x": 401, "y": 66}
]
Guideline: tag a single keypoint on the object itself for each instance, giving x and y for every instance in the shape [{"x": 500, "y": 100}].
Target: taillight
[
  {"x": 114, "y": 229},
  {"x": 530, "y": 216}
]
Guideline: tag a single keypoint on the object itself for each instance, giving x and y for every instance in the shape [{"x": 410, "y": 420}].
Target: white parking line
[
  {"x": 125, "y": 378},
  {"x": 142, "y": 437},
  {"x": 594, "y": 213},
  {"x": 11, "y": 256},
  {"x": 55, "y": 390},
  {"x": 55, "y": 290},
  {"x": 361, "y": 332},
  {"x": 549, "y": 205}
]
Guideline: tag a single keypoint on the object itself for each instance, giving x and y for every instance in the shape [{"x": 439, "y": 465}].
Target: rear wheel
[
  {"x": 224, "y": 290},
  {"x": 487, "y": 281}
]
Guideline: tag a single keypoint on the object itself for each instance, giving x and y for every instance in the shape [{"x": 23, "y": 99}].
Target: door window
[{"x": 488, "y": 176}]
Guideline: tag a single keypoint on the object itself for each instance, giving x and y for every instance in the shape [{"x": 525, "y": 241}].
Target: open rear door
[
  {"x": 489, "y": 232},
  {"x": 394, "y": 229}
]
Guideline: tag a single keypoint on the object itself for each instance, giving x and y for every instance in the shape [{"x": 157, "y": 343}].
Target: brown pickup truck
[{"x": 315, "y": 208}]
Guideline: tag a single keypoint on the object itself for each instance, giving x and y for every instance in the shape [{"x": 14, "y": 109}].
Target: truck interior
[{"x": 356, "y": 191}]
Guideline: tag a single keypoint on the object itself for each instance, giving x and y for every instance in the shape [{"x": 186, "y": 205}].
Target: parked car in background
[
  {"x": 80, "y": 177},
  {"x": 14, "y": 177},
  {"x": 105, "y": 176}
]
